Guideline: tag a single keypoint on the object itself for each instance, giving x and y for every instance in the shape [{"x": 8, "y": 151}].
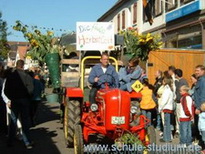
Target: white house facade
[{"x": 180, "y": 22}]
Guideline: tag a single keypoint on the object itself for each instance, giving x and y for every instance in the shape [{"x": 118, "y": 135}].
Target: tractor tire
[
  {"x": 78, "y": 140},
  {"x": 71, "y": 119},
  {"x": 151, "y": 134}
]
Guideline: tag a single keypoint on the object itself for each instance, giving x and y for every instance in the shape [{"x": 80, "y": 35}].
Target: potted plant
[
  {"x": 139, "y": 45},
  {"x": 43, "y": 48}
]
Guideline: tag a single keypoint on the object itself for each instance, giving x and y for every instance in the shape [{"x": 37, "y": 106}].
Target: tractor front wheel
[
  {"x": 78, "y": 140},
  {"x": 71, "y": 119}
]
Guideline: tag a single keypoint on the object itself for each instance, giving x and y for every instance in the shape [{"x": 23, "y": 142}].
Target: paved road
[{"x": 47, "y": 134}]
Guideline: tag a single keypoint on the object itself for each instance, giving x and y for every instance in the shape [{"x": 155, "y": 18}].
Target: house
[
  {"x": 18, "y": 51},
  {"x": 181, "y": 23}
]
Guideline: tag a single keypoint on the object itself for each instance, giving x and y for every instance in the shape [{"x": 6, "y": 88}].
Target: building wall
[{"x": 168, "y": 16}]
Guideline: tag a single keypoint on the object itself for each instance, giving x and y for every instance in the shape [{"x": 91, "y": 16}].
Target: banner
[{"x": 95, "y": 36}]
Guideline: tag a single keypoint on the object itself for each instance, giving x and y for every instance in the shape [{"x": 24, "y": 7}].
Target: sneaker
[
  {"x": 195, "y": 142},
  {"x": 161, "y": 140},
  {"x": 176, "y": 135},
  {"x": 161, "y": 135},
  {"x": 29, "y": 146},
  {"x": 184, "y": 145}
]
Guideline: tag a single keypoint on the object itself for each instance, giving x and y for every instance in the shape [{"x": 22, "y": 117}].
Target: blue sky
[{"x": 56, "y": 14}]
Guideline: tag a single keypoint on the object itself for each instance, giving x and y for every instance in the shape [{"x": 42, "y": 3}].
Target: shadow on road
[{"x": 44, "y": 134}]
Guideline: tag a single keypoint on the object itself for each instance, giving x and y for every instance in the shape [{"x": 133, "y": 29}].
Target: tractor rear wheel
[
  {"x": 71, "y": 119},
  {"x": 151, "y": 134},
  {"x": 78, "y": 140}
]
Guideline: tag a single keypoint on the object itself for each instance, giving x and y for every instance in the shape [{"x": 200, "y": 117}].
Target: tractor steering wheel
[
  {"x": 101, "y": 82},
  {"x": 106, "y": 81}
]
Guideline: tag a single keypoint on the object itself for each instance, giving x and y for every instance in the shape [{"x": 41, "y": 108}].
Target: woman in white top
[{"x": 166, "y": 107}]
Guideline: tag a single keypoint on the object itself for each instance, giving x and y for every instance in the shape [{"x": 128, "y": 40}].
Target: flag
[{"x": 148, "y": 7}]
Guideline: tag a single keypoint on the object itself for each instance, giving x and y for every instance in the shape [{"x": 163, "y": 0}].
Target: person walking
[
  {"x": 18, "y": 89},
  {"x": 36, "y": 97}
]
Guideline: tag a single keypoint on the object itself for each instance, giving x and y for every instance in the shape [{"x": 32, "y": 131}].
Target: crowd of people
[
  {"x": 21, "y": 92},
  {"x": 175, "y": 109}
]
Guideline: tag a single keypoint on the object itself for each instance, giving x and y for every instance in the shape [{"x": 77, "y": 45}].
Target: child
[
  {"x": 166, "y": 109},
  {"x": 147, "y": 104},
  {"x": 185, "y": 116},
  {"x": 201, "y": 125}
]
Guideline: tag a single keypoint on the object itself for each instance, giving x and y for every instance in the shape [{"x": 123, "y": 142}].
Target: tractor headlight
[
  {"x": 94, "y": 107},
  {"x": 133, "y": 109}
]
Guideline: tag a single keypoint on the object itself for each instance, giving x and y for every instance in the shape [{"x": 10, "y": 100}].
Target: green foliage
[
  {"x": 41, "y": 44},
  {"x": 129, "y": 138},
  {"x": 139, "y": 45},
  {"x": 4, "y": 47}
]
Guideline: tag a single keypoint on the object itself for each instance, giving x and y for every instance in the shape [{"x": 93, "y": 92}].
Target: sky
[{"x": 61, "y": 15}]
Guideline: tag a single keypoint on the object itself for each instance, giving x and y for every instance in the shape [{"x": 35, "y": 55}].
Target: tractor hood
[{"x": 116, "y": 108}]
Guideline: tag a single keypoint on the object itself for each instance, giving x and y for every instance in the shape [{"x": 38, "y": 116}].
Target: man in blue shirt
[
  {"x": 199, "y": 93},
  {"x": 199, "y": 98},
  {"x": 102, "y": 74},
  {"x": 128, "y": 75}
]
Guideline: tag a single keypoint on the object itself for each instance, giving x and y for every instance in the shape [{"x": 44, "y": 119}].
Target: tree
[{"x": 4, "y": 47}]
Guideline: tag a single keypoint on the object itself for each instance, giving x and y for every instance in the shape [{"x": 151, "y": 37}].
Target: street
[{"x": 47, "y": 135}]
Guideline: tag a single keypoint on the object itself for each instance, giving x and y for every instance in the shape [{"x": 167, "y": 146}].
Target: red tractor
[{"x": 116, "y": 113}]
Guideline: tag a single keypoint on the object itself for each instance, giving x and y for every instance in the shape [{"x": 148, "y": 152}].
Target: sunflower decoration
[
  {"x": 139, "y": 45},
  {"x": 40, "y": 44}
]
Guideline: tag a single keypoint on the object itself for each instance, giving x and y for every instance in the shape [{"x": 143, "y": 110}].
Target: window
[
  {"x": 134, "y": 13},
  {"x": 182, "y": 2},
  {"x": 118, "y": 22},
  {"x": 157, "y": 7},
  {"x": 171, "y": 4},
  {"x": 123, "y": 19}
]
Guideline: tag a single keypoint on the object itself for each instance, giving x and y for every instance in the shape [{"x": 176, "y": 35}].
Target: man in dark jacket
[
  {"x": 100, "y": 75},
  {"x": 19, "y": 89}
]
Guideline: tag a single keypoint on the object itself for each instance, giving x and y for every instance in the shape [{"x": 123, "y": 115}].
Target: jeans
[
  {"x": 202, "y": 143},
  {"x": 14, "y": 121},
  {"x": 167, "y": 127},
  {"x": 159, "y": 121},
  {"x": 203, "y": 135},
  {"x": 185, "y": 132},
  {"x": 148, "y": 114},
  {"x": 177, "y": 111},
  {"x": 20, "y": 107},
  {"x": 92, "y": 95}
]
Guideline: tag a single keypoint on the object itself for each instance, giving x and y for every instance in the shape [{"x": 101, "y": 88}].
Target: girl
[
  {"x": 166, "y": 107},
  {"x": 147, "y": 104}
]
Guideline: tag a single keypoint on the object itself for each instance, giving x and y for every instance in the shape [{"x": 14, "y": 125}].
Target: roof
[
  {"x": 68, "y": 39},
  {"x": 112, "y": 9}
]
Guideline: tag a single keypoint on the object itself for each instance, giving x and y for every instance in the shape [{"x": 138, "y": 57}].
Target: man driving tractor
[{"x": 100, "y": 75}]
